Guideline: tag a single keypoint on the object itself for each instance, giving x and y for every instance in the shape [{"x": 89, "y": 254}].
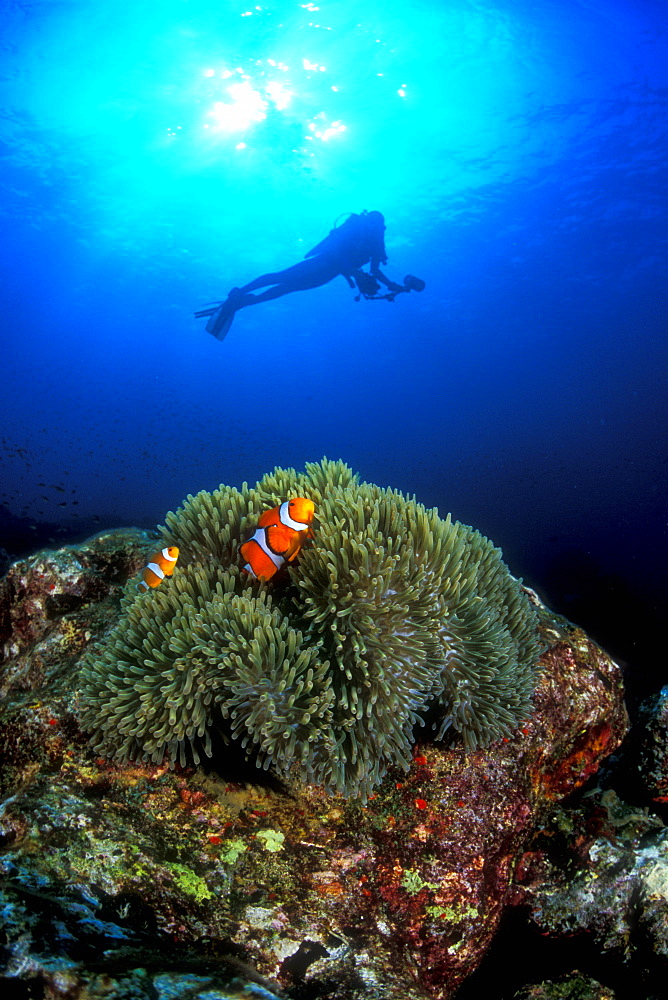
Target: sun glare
[
  {"x": 248, "y": 95},
  {"x": 247, "y": 106},
  {"x": 278, "y": 94}
]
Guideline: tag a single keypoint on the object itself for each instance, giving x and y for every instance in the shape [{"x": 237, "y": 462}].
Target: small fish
[
  {"x": 278, "y": 538},
  {"x": 160, "y": 565}
]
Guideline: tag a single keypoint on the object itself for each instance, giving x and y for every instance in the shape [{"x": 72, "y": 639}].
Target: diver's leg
[
  {"x": 307, "y": 273},
  {"x": 273, "y": 278},
  {"x": 220, "y": 319},
  {"x": 271, "y": 293}
]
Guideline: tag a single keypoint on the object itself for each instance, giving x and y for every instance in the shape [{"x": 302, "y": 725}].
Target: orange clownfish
[
  {"x": 279, "y": 536},
  {"x": 160, "y": 565}
]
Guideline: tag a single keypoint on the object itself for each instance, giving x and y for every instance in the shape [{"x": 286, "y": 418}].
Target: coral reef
[
  {"x": 37, "y": 595},
  {"x": 573, "y": 986},
  {"x": 605, "y": 872},
  {"x": 652, "y": 750},
  {"x": 392, "y": 614},
  {"x": 138, "y": 880}
]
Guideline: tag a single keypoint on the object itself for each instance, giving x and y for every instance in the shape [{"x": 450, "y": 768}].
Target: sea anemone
[{"x": 389, "y": 614}]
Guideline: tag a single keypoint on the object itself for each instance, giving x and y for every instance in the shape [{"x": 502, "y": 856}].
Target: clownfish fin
[{"x": 279, "y": 538}]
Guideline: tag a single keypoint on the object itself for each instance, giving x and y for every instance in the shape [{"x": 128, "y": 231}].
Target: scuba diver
[{"x": 345, "y": 251}]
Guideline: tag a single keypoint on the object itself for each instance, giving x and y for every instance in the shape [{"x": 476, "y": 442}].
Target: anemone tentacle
[{"x": 389, "y": 613}]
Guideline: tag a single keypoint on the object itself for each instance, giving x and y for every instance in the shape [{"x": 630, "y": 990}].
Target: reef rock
[
  {"x": 602, "y": 870},
  {"x": 138, "y": 880},
  {"x": 652, "y": 750},
  {"x": 573, "y": 986}
]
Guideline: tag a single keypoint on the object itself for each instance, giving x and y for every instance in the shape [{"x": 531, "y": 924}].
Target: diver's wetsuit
[{"x": 357, "y": 242}]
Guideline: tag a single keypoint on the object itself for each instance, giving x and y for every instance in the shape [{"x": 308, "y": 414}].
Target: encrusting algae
[{"x": 390, "y": 612}]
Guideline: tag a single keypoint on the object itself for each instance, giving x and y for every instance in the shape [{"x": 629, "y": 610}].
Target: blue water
[{"x": 155, "y": 154}]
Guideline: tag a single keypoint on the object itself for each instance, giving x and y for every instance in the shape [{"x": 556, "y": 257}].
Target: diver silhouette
[{"x": 358, "y": 241}]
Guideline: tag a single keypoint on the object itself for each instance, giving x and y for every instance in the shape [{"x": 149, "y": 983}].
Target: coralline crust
[{"x": 391, "y": 617}]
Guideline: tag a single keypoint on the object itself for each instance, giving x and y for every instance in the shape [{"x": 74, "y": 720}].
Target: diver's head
[
  {"x": 414, "y": 284},
  {"x": 376, "y": 219}
]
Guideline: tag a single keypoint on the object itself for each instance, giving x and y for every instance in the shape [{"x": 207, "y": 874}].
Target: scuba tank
[{"x": 339, "y": 237}]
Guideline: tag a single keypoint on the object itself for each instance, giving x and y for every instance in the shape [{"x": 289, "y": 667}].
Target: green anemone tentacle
[{"x": 389, "y": 613}]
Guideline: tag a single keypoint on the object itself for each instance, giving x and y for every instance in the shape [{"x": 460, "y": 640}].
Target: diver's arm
[{"x": 377, "y": 273}]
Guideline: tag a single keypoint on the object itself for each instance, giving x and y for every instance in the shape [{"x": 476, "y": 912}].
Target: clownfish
[
  {"x": 160, "y": 565},
  {"x": 278, "y": 538}
]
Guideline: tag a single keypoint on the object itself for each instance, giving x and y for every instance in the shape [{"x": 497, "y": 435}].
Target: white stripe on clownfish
[
  {"x": 261, "y": 539},
  {"x": 287, "y": 520}
]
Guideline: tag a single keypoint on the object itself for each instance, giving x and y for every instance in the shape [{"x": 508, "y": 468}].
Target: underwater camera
[
  {"x": 413, "y": 284},
  {"x": 366, "y": 283}
]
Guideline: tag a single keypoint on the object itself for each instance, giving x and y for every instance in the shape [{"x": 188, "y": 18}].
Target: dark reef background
[{"x": 155, "y": 155}]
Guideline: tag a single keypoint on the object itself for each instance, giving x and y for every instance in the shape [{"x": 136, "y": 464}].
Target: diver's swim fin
[{"x": 221, "y": 321}]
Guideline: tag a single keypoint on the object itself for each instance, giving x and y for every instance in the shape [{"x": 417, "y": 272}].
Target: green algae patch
[
  {"x": 413, "y": 883},
  {"x": 452, "y": 914},
  {"x": 231, "y": 850},
  {"x": 188, "y": 882},
  {"x": 272, "y": 840}
]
